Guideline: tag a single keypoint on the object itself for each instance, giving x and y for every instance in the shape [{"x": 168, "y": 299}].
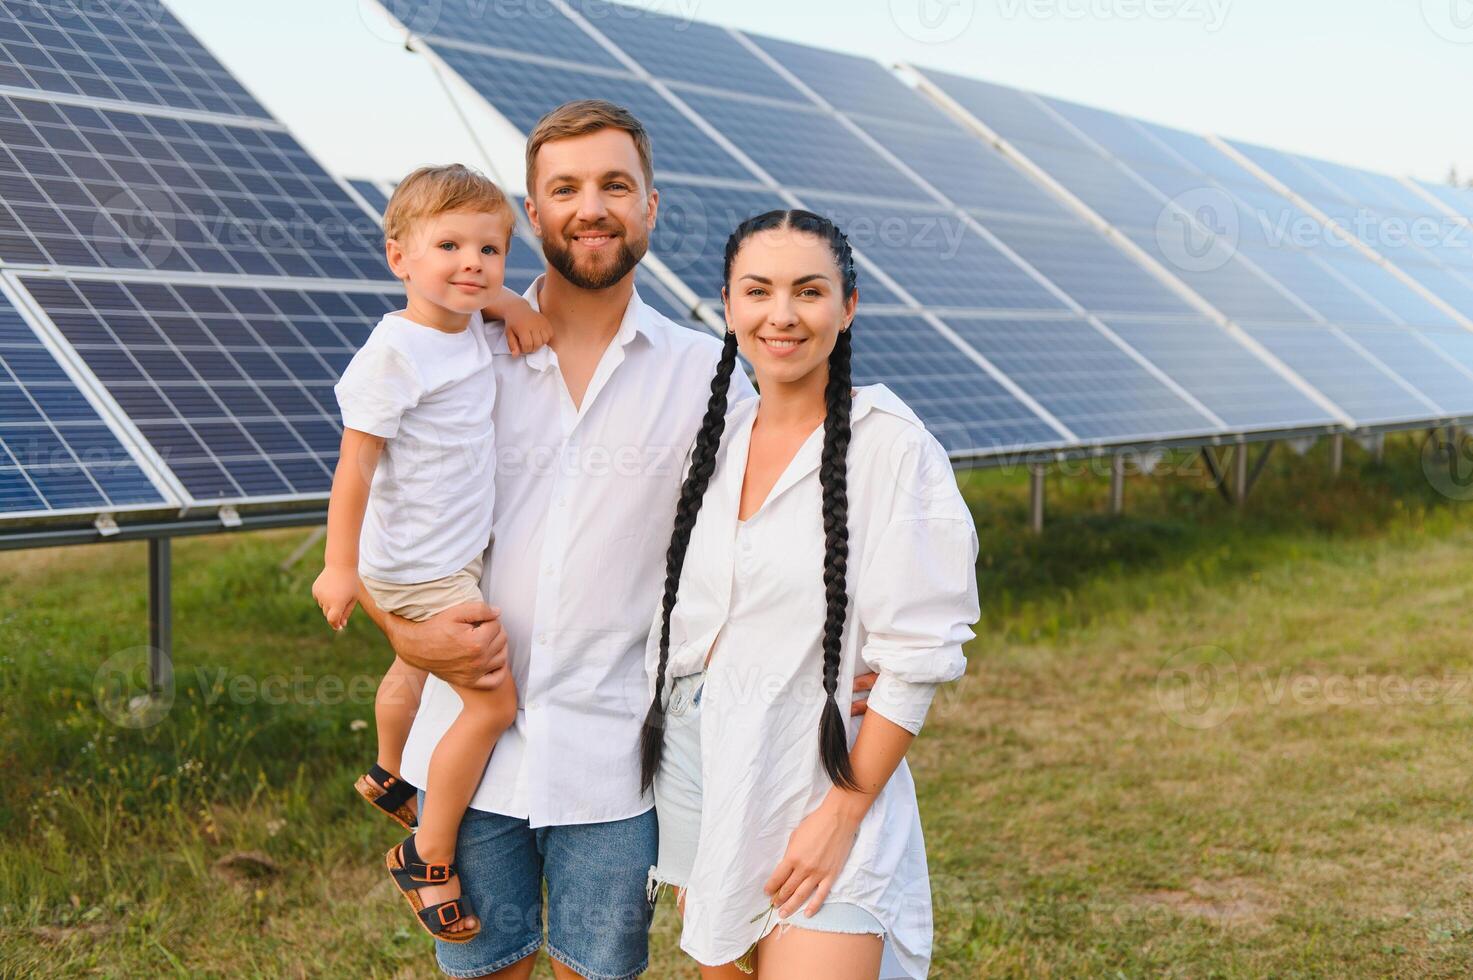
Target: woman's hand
[
  {"x": 816, "y": 853},
  {"x": 336, "y": 592}
]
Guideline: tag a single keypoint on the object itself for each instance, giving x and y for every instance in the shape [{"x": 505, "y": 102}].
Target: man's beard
[{"x": 625, "y": 259}]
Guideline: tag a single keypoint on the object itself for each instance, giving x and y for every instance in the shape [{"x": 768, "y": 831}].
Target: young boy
[{"x": 410, "y": 514}]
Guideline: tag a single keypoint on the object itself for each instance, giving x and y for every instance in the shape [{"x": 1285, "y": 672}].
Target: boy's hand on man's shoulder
[{"x": 527, "y": 331}]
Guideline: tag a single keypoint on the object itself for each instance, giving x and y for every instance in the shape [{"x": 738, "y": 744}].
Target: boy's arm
[
  {"x": 526, "y": 329},
  {"x": 336, "y": 589}
]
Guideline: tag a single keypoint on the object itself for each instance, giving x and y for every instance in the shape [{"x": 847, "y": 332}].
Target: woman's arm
[
  {"x": 336, "y": 588},
  {"x": 820, "y": 845}
]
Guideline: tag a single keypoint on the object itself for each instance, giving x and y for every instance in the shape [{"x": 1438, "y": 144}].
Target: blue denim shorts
[{"x": 598, "y": 917}]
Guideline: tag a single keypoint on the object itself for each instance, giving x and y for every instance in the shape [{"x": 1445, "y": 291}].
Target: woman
[{"x": 822, "y": 538}]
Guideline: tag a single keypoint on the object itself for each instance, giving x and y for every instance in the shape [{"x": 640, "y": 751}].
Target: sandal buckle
[
  {"x": 437, "y": 872},
  {"x": 450, "y": 908}
]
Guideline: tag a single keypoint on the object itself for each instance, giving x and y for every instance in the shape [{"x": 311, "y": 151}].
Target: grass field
[{"x": 1190, "y": 743}]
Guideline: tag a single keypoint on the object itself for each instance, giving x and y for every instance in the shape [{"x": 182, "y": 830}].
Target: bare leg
[
  {"x": 520, "y": 970},
  {"x": 795, "y": 953},
  {"x": 394, "y": 709},
  {"x": 456, "y": 768}
]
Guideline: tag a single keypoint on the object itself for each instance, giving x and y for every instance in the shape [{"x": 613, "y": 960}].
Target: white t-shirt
[{"x": 430, "y": 395}]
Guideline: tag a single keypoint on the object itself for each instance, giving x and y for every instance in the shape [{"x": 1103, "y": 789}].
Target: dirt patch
[{"x": 1230, "y": 901}]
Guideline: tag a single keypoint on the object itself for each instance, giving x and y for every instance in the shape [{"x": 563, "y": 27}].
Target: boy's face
[
  {"x": 455, "y": 260},
  {"x": 591, "y": 208}
]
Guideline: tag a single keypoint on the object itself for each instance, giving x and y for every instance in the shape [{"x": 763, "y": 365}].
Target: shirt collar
[{"x": 639, "y": 321}]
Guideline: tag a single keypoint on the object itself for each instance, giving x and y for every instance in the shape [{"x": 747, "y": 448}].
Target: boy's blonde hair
[
  {"x": 584, "y": 116},
  {"x": 432, "y": 191}
]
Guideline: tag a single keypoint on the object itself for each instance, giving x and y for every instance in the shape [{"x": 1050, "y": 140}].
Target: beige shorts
[{"x": 421, "y": 600}]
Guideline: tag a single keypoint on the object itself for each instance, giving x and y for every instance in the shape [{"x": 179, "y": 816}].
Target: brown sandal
[
  {"x": 411, "y": 874},
  {"x": 390, "y": 794}
]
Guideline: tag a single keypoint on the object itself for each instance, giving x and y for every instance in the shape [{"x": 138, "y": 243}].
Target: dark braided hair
[{"x": 833, "y": 478}]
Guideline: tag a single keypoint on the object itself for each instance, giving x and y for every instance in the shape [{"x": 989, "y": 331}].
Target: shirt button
[
  {"x": 542, "y": 640},
  {"x": 562, "y": 501}
]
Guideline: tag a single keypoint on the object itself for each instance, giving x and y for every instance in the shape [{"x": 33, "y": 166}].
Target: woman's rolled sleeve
[{"x": 917, "y": 605}]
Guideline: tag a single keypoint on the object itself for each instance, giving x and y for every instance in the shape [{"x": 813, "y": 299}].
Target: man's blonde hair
[
  {"x": 433, "y": 191},
  {"x": 584, "y": 116}
]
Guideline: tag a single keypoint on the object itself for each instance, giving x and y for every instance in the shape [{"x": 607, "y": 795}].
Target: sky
[{"x": 1381, "y": 84}]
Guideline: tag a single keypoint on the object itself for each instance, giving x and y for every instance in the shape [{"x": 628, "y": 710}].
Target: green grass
[{"x": 1082, "y": 819}]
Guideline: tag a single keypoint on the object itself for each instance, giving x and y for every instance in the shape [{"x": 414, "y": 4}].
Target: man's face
[{"x": 591, "y": 208}]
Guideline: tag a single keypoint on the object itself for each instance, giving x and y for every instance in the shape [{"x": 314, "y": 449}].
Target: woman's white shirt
[{"x": 911, "y": 581}]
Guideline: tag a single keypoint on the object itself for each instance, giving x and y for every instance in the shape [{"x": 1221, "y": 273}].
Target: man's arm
[{"x": 463, "y": 645}]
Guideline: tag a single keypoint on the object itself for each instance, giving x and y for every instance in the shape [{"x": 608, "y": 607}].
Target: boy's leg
[
  {"x": 394, "y": 709},
  {"x": 598, "y": 918},
  {"x": 456, "y": 767},
  {"x": 501, "y": 871}
]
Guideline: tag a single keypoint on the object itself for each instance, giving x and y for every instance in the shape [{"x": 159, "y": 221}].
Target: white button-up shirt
[
  {"x": 585, "y": 502},
  {"x": 756, "y": 590}
]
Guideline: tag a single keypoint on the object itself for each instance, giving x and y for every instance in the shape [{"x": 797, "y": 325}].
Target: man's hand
[
  {"x": 863, "y": 684},
  {"x": 336, "y": 592},
  {"x": 464, "y": 645}
]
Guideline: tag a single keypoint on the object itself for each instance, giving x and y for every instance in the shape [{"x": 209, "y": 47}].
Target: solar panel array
[
  {"x": 1339, "y": 321},
  {"x": 183, "y": 283}
]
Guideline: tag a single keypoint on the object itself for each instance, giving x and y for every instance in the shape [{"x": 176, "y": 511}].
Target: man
[{"x": 592, "y": 433}]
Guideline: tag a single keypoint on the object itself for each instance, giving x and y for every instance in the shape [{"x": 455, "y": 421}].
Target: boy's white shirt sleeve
[
  {"x": 918, "y": 598},
  {"x": 378, "y": 387}
]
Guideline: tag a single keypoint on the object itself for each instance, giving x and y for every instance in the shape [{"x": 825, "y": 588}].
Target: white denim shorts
[{"x": 678, "y": 810}]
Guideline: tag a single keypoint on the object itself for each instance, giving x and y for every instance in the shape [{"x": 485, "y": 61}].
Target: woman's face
[{"x": 787, "y": 305}]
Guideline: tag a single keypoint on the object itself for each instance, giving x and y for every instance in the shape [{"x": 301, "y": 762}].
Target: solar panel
[
  {"x": 1223, "y": 374},
  {"x": 1426, "y": 244},
  {"x": 84, "y": 186},
  {"x": 1349, "y": 379},
  {"x": 1086, "y": 382},
  {"x": 1185, "y": 210},
  {"x": 57, "y": 455},
  {"x": 126, "y": 52},
  {"x": 231, "y": 386},
  {"x": 965, "y": 408},
  {"x": 372, "y": 193}
]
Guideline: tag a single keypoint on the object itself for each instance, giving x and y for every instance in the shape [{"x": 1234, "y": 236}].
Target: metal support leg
[
  {"x": 1117, "y": 485},
  {"x": 160, "y": 615},
  {"x": 1337, "y": 453},
  {"x": 1380, "y": 448},
  {"x": 1035, "y": 498},
  {"x": 1240, "y": 474}
]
